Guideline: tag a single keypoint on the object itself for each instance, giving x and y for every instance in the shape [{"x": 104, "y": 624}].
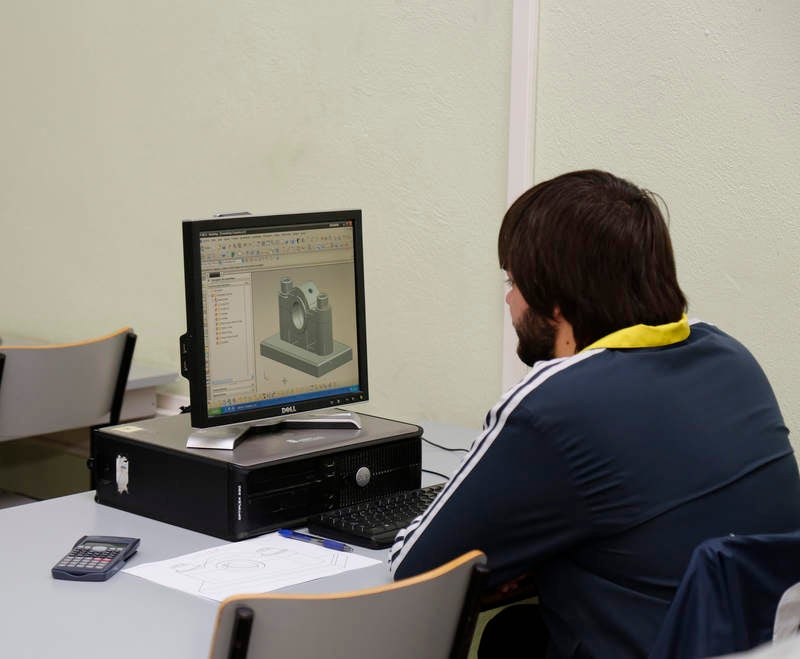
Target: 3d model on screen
[{"x": 305, "y": 340}]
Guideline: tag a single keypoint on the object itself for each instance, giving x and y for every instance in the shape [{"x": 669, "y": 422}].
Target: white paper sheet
[{"x": 258, "y": 565}]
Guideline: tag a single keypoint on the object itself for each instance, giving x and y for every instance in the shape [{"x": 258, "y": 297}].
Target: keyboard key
[{"x": 374, "y": 523}]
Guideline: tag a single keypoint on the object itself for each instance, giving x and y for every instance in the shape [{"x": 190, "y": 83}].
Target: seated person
[{"x": 636, "y": 434}]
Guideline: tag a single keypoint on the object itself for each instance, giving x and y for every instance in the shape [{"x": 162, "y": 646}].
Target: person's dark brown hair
[{"x": 595, "y": 246}]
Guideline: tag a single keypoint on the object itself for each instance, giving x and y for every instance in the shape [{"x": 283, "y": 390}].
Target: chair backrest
[
  {"x": 787, "y": 616},
  {"x": 728, "y": 597},
  {"x": 47, "y": 388},
  {"x": 430, "y": 615}
]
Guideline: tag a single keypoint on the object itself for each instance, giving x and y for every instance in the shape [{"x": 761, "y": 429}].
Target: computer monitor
[{"x": 275, "y": 321}]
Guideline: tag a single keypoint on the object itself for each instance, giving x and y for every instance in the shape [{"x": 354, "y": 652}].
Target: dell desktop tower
[{"x": 272, "y": 479}]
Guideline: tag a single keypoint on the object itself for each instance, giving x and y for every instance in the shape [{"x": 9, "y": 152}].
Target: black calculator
[{"x": 95, "y": 558}]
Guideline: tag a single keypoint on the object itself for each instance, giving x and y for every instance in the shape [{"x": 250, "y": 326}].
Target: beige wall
[
  {"x": 699, "y": 101},
  {"x": 121, "y": 118}
]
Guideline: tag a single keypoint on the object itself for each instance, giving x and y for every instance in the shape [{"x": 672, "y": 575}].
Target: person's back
[
  {"x": 635, "y": 436},
  {"x": 668, "y": 446}
]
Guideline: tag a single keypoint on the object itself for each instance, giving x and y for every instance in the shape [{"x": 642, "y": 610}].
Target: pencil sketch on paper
[
  {"x": 257, "y": 565},
  {"x": 256, "y": 568}
]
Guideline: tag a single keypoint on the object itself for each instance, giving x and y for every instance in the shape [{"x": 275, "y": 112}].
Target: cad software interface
[{"x": 279, "y": 310}]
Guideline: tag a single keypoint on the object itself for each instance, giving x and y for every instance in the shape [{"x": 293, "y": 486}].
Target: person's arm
[{"x": 513, "y": 497}]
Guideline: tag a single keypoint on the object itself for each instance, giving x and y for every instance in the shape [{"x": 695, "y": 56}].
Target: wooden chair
[
  {"x": 431, "y": 615},
  {"x": 49, "y": 388}
]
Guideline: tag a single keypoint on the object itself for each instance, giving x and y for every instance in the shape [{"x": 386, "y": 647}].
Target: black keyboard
[{"x": 374, "y": 523}]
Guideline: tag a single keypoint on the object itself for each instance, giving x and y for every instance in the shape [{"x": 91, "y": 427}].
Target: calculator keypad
[{"x": 89, "y": 557}]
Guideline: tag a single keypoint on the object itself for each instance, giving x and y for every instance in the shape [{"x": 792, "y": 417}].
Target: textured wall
[
  {"x": 121, "y": 118},
  {"x": 700, "y": 102}
]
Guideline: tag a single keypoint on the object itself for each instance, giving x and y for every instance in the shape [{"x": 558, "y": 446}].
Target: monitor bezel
[{"x": 192, "y": 347}]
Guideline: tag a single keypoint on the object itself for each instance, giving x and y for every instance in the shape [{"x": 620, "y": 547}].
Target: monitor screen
[{"x": 275, "y": 315}]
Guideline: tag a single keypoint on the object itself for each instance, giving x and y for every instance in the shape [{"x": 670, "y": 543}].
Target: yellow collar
[{"x": 644, "y": 336}]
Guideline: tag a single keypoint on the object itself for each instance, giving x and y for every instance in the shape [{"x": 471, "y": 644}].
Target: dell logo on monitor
[{"x": 290, "y": 409}]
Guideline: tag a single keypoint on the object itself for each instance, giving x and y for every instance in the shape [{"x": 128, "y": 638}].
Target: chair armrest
[{"x": 519, "y": 588}]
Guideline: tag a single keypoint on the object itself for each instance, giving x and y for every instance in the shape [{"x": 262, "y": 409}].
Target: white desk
[
  {"x": 127, "y": 617},
  {"x": 141, "y": 391}
]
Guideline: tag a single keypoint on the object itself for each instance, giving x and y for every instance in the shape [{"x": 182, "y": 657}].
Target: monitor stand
[{"x": 227, "y": 437}]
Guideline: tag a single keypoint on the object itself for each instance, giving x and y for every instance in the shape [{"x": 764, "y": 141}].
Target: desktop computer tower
[{"x": 273, "y": 479}]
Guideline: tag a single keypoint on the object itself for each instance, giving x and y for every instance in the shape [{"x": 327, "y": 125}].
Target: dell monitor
[{"x": 275, "y": 322}]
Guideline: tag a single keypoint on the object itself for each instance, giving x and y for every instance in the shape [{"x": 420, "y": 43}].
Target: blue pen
[{"x": 314, "y": 540}]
